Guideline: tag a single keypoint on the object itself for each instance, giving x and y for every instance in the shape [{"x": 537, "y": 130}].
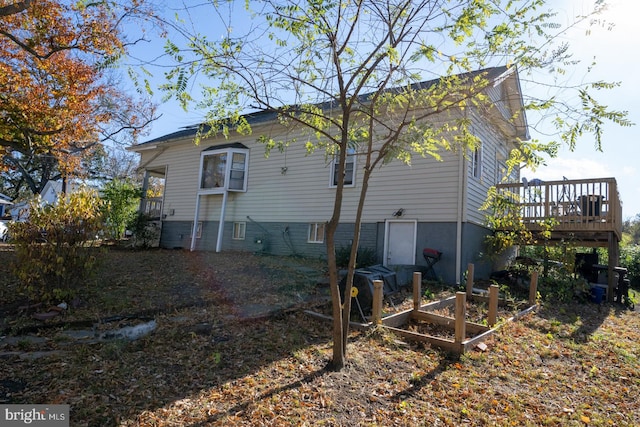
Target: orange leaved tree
[{"x": 56, "y": 101}]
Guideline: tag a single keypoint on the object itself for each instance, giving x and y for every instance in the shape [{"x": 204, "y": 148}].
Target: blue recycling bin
[{"x": 597, "y": 294}]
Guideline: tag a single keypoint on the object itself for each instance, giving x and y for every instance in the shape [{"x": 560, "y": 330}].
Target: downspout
[
  {"x": 461, "y": 198},
  {"x": 194, "y": 231},
  {"x": 221, "y": 225}
]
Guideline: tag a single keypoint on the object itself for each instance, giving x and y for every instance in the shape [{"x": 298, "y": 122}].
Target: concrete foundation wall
[{"x": 291, "y": 239}]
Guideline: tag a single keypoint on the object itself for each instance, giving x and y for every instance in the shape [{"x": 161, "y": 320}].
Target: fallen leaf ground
[{"x": 218, "y": 357}]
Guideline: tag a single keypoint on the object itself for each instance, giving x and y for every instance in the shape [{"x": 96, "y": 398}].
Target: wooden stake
[
  {"x": 461, "y": 314},
  {"x": 417, "y": 290},
  {"x": 533, "y": 288},
  {"x": 493, "y": 305},
  {"x": 470, "y": 268},
  {"x": 376, "y": 313}
]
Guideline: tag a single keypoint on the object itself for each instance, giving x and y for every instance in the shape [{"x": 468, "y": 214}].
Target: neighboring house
[
  {"x": 280, "y": 205},
  {"x": 48, "y": 196},
  {"x": 5, "y": 202}
]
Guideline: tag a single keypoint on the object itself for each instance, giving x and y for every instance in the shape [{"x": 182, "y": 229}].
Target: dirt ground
[{"x": 232, "y": 346}]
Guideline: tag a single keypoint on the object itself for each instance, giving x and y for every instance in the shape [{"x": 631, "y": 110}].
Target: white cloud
[
  {"x": 629, "y": 171},
  {"x": 576, "y": 168}
]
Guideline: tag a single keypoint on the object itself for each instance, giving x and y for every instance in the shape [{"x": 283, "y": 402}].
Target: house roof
[
  {"x": 223, "y": 146},
  {"x": 494, "y": 74}
]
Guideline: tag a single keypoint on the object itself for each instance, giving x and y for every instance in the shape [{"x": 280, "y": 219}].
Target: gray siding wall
[
  {"x": 288, "y": 238},
  {"x": 291, "y": 239},
  {"x": 494, "y": 155}
]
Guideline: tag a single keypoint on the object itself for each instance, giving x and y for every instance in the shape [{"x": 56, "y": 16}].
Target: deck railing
[
  {"x": 151, "y": 206},
  {"x": 576, "y": 205}
]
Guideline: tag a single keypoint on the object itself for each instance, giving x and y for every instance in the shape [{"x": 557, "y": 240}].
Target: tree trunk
[
  {"x": 339, "y": 341},
  {"x": 339, "y": 354},
  {"x": 353, "y": 256}
]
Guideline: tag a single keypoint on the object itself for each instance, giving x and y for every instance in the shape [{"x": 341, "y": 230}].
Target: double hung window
[
  {"x": 349, "y": 169},
  {"x": 476, "y": 162}
]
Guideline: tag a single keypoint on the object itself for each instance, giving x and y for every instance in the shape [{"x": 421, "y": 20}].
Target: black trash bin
[
  {"x": 590, "y": 205},
  {"x": 363, "y": 281},
  {"x": 388, "y": 277}
]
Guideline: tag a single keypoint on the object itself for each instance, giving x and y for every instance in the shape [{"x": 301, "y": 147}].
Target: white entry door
[{"x": 400, "y": 242}]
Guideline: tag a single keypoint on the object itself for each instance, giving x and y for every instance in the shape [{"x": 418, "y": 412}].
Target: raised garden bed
[{"x": 456, "y": 323}]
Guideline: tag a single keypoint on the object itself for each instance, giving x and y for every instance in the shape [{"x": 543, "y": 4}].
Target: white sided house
[
  {"x": 49, "y": 195},
  {"x": 241, "y": 200}
]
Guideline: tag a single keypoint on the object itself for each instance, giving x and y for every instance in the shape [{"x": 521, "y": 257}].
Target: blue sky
[{"x": 616, "y": 53}]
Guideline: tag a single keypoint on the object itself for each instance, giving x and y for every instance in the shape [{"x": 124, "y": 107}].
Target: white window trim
[
  {"x": 351, "y": 158},
  {"x": 227, "y": 173},
  {"x": 239, "y": 225},
  {"x": 317, "y": 237}
]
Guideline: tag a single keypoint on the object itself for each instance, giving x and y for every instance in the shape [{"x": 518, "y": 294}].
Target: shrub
[
  {"x": 630, "y": 259},
  {"x": 145, "y": 233},
  {"x": 121, "y": 200},
  {"x": 55, "y": 251},
  {"x": 563, "y": 286},
  {"x": 365, "y": 257}
]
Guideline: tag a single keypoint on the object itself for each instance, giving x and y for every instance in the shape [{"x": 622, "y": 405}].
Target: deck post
[
  {"x": 533, "y": 288},
  {"x": 376, "y": 311},
  {"x": 613, "y": 251},
  {"x": 144, "y": 192},
  {"x": 493, "y": 305},
  {"x": 417, "y": 290},
  {"x": 461, "y": 316},
  {"x": 470, "y": 269}
]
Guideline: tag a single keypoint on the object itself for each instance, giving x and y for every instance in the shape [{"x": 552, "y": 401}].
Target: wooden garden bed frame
[{"x": 424, "y": 313}]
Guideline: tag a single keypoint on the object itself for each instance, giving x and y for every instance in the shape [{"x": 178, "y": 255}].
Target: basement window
[
  {"x": 316, "y": 232},
  {"x": 239, "y": 230}
]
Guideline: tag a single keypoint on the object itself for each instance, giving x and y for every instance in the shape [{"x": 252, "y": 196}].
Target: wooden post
[
  {"x": 533, "y": 288},
  {"x": 376, "y": 310},
  {"x": 461, "y": 317},
  {"x": 614, "y": 258},
  {"x": 470, "y": 268},
  {"x": 417, "y": 290},
  {"x": 493, "y": 305}
]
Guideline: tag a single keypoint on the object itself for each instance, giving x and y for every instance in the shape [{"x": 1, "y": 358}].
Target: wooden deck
[
  {"x": 152, "y": 207},
  {"x": 587, "y": 211}
]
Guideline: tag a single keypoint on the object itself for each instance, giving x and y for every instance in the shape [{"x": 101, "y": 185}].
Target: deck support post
[
  {"x": 144, "y": 191},
  {"x": 614, "y": 258},
  {"x": 533, "y": 288}
]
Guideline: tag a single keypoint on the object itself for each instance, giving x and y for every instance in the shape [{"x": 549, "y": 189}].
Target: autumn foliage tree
[{"x": 57, "y": 103}]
